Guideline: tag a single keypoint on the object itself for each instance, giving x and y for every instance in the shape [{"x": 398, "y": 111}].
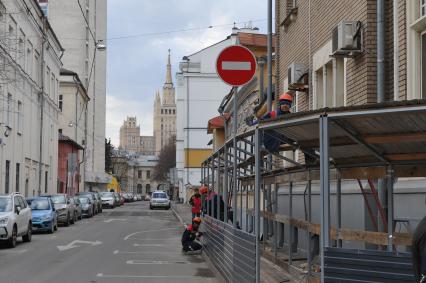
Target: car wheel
[
  {"x": 56, "y": 225},
  {"x": 13, "y": 239},
  {"x": 168, "y": 207},
  {"x": 52, "y": 229},
  {"x": 68, "y": 222},
  {"x": 81, "y": 216},
  {"x": 72, "y": 220},
  {"x": 150, "y": 207},
  {"x": 27, "y": 237}
]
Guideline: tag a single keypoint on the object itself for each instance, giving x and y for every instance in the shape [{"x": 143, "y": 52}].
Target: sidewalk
[{"x": 270, "y": 273}]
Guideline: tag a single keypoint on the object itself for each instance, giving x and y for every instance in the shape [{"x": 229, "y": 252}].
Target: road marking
[
  {"x": 156, "y": 239},
  {"x": 146, "y": 262},
  {"x": 236, "y": 66},
  {"x": 114, "y": 219},
  {"x": 149, "y": 231},
  {"x": 10, "y": 252},
  {"x": 154, "y": 245},
  {"x": 149, "y": 252},
  {"x": 73, "y": 245},
  {"x": 147, "y": 276}
]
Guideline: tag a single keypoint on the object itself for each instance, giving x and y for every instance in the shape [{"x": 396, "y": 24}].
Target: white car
[
  {"x": 15, "y": 219},
  {"x": 159, "y": 199}
]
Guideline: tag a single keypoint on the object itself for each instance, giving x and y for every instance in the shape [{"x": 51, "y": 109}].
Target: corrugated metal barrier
[
  {"x": 344, "y": 265},
  {"x": 232, "y": 251}
]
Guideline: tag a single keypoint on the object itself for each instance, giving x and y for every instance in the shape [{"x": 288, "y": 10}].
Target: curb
[{"x": 178, "y": 216}]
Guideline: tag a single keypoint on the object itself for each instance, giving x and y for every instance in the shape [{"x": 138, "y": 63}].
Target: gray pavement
[{"x": 126, "y": 244}]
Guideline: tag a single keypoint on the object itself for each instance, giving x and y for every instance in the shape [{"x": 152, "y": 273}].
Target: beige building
[
  {"x": 131, "y": 139},
  {"x": 85, "y": 20},
  {"x": 165, "y": 112}
]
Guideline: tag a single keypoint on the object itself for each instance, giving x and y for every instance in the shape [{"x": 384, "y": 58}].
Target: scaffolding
[{"x": 368, "y": 142}]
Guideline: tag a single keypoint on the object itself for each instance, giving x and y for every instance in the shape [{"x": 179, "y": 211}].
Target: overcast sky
[{"x": 136, "y": 65}]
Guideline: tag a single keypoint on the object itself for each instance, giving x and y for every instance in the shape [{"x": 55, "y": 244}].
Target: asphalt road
[{"x": 126, "y": 244}]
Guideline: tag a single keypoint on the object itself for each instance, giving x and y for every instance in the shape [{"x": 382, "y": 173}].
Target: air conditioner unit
[
  {"x": 346, "y": 38},
  {"x": 294, "y": 72}
]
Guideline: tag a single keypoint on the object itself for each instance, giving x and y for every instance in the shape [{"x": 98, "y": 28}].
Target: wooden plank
[
  {"x": 371, "y": 237},
  {"x": 396, "y": 138},
  {"x": 406, "y": 156}
]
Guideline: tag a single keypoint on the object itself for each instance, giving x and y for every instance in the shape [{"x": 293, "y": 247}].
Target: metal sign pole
[{"x": 234, "y": 178}]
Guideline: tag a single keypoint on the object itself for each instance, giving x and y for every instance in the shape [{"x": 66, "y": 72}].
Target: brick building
[{"x": 304, "y": 30}]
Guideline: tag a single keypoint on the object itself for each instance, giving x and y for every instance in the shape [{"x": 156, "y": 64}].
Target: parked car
[
  {"x": 98, "y": 201},
  {"x": 65, "y": 209},
  {"x": 92, "y": 198},
  {"x": 147, "y": 197},
  {"x": 86, "y": 206},
  {"x": 78, "y": 208},
  {"x": 15, "y": 219},
  {"x": 44, "y": 217},
  {"x": 159, "y": 199},
  {"x": 122, "y": 199},
  {"x": 108, "y": 199},
  {"x": 117, "y": 199}
]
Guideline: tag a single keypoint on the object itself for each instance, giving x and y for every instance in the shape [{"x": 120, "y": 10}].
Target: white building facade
[
  {"x": 199, "y": 93},
  {"x": 29, "y": 80},
  {"x": 83, "y": 26}
]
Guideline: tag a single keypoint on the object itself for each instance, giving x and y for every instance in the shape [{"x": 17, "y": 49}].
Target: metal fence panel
[
  {"x": 344, "y": 265},
  {"x": 232, "y": 251}
]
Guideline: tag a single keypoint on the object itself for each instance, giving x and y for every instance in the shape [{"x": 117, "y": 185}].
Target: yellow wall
[{"x": 196, "y": 157}]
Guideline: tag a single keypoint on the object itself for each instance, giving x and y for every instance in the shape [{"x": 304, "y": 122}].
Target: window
[
  {"x": 29, "y": 64},
  {"x": 174, "y": 111},
  {"x": 61, "y": 102},
  {"x": 9, "y": 110},
  {"x": 423, "y": 67},
  {"x": 139, "y": 174},
  {"x": 7, "y": 176},
  {"x": 423, "y": 8},
  {"x": 36, "y": 67},
  {"x": 20, "y": 114},
  {"x": 45, "y": 181},
  {"x": 161, "y": 111},
  {"x": 60, "y": 131},
  {"x": 53, "y": 87},
  {"x": 22, "y": 203},
  {"x": 47, "y": 82},
  {"x": 17, "y": 176},
  {"x": 329, "y": 84},
  {"x": 148, "y": 174},
  {"x": 21, "y": 48}
]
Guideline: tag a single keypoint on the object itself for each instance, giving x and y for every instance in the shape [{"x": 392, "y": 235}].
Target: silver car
[
  {"x": 78, "y": 208},
  {"x": 65, "y": 208},
  {"x": 159, "y": 199}
]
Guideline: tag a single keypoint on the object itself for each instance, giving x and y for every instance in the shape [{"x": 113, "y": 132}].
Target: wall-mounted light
[
  {"x": 7, "y": 131},
  {"x": 100, "y": 45}
]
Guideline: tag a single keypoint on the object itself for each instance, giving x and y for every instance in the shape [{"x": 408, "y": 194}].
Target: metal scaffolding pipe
[
  {"x": 258, "y": 180},
  {"x": 234, "y": 178}
]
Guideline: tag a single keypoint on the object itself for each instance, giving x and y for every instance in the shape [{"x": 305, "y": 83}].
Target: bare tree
[{"x": 166, "y": 161}]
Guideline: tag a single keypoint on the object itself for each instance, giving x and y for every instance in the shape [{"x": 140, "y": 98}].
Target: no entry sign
[{"x": 236, "y": 65}]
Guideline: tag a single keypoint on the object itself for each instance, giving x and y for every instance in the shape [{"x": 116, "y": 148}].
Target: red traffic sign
[{"x": 236, "y": 65}]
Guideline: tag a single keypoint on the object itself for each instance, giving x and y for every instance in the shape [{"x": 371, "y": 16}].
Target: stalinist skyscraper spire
[{"x": 165, "y": 112}]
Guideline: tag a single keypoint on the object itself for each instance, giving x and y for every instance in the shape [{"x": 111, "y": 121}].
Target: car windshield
[
  {"x": 84, "y": 200},
  {"x": 40, "y": 204},
  {"x": 5, "y": 204},
  {"x": 107, "y": 194},
  {"x": 159, "y": 195},
  {"x": 58, "y": 199}
]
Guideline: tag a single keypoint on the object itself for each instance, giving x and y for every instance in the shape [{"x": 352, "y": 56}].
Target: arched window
[
  {"x": 148, "y": 189},
  {"x": 139, "y": 187}
]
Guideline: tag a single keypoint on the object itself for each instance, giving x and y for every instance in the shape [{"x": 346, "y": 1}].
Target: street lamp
[{"x": 100, "y": 45}]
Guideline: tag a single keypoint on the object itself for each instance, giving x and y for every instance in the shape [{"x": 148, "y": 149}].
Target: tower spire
[{"x": 168, "y": 72}]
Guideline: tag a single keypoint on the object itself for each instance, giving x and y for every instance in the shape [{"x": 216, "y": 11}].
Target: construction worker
[
  {"x": 284, "y": 105},
  {"x": 419, "y": 251},
  {"x": 195, "y": 202},
  {"x": 191, "y": 236}
]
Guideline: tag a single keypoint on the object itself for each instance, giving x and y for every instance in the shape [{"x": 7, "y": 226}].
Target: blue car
[{"x": 44, "y": 217}]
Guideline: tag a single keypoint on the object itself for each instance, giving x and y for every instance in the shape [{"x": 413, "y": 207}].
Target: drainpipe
[
  {"x": 41, "y": 98},
  {"x": 381, "y": 183},
  {"x": 395, "y": 51},
  {"x": 380, "y": 51}
]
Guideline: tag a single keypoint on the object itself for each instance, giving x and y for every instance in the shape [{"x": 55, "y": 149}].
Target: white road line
[
  {"x": 154, "y": 245},
  {"x": 236, "y": 66},
  {"x": 152, "y": 239},
  {"x": 156, "y": 262},
  {"x": 149, "y": 231},
  {"x": 11, "y": 252},
  {"x": 147, "y": 276},
  {"x": 149, "y": 252}
]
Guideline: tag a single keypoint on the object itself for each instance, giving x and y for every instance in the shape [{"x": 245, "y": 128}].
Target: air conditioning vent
[
  {"x": 346, "y": 38},
  {"x": 294, "y": 73}
]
